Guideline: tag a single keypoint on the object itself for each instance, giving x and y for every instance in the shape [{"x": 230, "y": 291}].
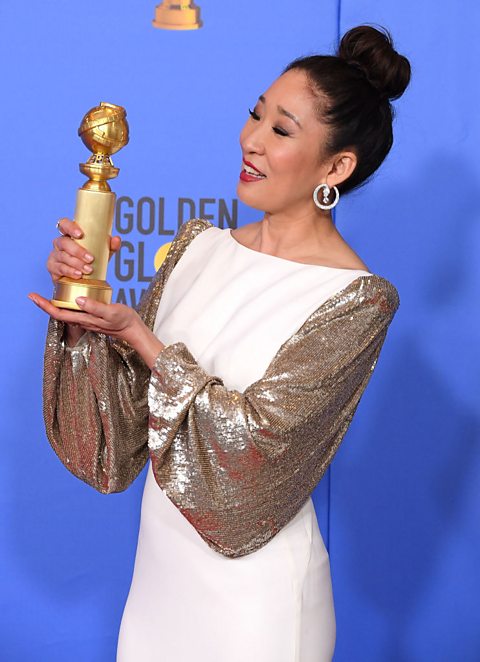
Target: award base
[{"x": 68, "y": 289}]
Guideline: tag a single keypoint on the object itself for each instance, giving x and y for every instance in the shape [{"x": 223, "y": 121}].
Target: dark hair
[{"x": 354, "y": 89}]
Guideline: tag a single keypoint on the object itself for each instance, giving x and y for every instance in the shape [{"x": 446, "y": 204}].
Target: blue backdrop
[{"x": 399, "y": 509}]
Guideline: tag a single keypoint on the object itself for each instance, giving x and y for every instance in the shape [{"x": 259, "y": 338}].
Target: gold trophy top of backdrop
[{"x": 177, "y": 15}]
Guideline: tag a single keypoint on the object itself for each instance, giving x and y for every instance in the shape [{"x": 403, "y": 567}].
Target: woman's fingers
[
  {"x": 61, "y": 314},
  {"x": 68, "y": 258},
  {"x": 73, "y": 265},
  {"x": 69, "y": 228},
  {"x": 70, "y": 247},
  {"x": 66, "y": 266},
  {"x": 81, "y": 318},
  {"x": 102, "y": 311},
  {"x": 66, "y": 246},
  {"x": 115, "y": 243},
  {"x": 113, "y": 318}
]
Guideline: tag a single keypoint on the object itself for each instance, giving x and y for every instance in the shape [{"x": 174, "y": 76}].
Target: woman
[{"x": 238, "y": 377}]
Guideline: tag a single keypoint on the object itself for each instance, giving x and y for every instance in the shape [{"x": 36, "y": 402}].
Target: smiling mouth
[{"x": 253, "y": 172}]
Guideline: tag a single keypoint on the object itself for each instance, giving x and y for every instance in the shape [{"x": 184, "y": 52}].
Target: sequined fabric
[
  {"x": 95, "y": 394},
  {"x": 238, "y": 465}
]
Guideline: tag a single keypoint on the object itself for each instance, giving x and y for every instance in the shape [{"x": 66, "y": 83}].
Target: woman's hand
[
  {"x": 113, "y": 319},
  {"x": 69, "y": 258}
]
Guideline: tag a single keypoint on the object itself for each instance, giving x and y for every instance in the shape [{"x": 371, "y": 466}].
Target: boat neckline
[{"x": 284, "y": 259}]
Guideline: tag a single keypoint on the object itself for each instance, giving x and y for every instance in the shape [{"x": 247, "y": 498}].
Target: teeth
[{"x": 252, "y": 171}]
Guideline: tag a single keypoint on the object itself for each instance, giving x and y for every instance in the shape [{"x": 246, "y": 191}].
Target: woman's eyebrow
[{"x": 283, "y": 112}]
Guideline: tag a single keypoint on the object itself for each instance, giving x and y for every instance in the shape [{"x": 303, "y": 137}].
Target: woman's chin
[{"x": 248, "y": 197}]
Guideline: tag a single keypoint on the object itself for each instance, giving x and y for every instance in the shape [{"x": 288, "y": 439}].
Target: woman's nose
[{"x": 253, "y": 139}]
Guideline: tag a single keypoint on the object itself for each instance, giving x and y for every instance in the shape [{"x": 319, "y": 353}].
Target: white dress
[{"x": 233, "y": 307}]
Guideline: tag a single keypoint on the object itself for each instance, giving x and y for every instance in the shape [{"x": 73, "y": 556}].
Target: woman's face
[{"x": 281, "y": 145}]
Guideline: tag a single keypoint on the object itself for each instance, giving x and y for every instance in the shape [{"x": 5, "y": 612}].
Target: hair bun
[{"x": 371, "y": 51}]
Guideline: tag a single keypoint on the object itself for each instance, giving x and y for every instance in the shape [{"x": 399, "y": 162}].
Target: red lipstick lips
[
  {"x": 251, "y": 177},
  {"x": 250, "y": 165}
]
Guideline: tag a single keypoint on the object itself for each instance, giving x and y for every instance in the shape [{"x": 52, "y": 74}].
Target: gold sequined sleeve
[
  {"x": 95, "y": 394},
  {"x": 240, "y": 465}
]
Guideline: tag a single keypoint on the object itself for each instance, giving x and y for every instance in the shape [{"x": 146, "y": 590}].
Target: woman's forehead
[{"x": 292, "y": 93}]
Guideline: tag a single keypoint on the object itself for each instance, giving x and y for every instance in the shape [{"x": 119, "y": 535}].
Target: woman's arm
[
  {"x": 95, "y": 388},
  {"x": 146, "y": 344},
  {"x": 238, "y": 465},
  {"x": 99, "y": 428},
  {"x": 95, "y": 408}
]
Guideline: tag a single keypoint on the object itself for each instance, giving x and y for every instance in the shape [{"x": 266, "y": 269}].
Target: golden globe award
[{"x": 104, "y": 130}]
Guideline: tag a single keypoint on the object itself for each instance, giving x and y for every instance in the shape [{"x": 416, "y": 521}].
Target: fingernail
[
  {"x": 89, "y": 257},
  {"x": 77, "y": 272},
  {"x": 80, "y": 301},
  {"x": 87, "y": 269},
  {"x": 77, "y": 233}
]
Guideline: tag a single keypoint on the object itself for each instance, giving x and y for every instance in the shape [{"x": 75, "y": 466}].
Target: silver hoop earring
[{"x": 326, "y": 192}]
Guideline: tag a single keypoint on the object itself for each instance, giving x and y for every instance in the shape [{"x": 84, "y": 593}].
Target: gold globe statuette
[{"x": 104, "y": 130}]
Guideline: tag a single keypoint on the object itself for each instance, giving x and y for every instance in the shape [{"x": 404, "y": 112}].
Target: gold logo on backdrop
[
  {"x": 148, "y": 224},
  {"x": 160, "y": 255},
  {"x": 177, "y": 15}
]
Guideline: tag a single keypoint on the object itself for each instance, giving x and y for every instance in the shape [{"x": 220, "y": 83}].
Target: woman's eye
[{"x": 277, "y": 129}]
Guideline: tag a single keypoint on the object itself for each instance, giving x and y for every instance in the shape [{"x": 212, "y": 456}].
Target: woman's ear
[{"x": 342, "y": 166}]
